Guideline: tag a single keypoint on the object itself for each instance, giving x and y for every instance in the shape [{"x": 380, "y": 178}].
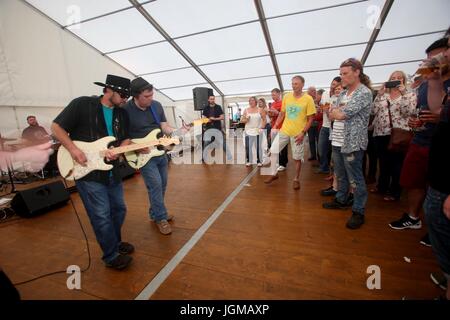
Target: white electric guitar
[
  {"x": 138, "y": 160},
  {"x": 95, "y": 154}
]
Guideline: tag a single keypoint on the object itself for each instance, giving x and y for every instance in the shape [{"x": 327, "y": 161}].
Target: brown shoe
[
  {"x": 170, "y": 218},
  {"x": 164, "y": 227},
  {"x": 271, "y": 179},
  {"x": 296, "y": 184}
]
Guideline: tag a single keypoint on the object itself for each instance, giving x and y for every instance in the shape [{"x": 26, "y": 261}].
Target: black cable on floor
[{"x": 87, "y": 247}]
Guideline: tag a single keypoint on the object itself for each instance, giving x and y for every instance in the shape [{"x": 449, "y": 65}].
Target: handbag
[{"x": 400, "y": 138}]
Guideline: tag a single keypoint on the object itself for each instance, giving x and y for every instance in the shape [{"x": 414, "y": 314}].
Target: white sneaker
[
  {"x": 259, "y": 164},
  {"x": 281, "y": 168},
  {"x": 248, "y": 164}
]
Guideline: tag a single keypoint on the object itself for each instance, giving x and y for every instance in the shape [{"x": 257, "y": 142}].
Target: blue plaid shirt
[{"x": 357, "y": 112}]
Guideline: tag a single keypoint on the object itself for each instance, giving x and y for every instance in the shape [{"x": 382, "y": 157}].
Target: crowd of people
[
  {"x": 342, "y": 128},
  {"x": 392, "y": 138}
]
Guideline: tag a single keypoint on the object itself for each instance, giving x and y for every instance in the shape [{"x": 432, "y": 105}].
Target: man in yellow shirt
[{"x": 297, "y": 113}]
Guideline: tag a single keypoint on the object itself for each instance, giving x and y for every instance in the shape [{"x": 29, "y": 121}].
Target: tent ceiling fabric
[{"x": 225, "y": 40}]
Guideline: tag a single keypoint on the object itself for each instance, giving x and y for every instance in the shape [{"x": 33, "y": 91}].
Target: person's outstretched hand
[{"x": 35, "y": 157}]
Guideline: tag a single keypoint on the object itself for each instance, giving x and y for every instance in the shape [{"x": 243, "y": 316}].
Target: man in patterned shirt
[{"x": 355, "y": 104}]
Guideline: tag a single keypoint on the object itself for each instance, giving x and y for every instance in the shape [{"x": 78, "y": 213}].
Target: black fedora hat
[{"x": 116, "y": 83}]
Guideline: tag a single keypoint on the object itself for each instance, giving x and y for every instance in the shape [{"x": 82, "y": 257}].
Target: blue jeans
[
  {"x": 313, "y": 136},
  {"x": 324, "y": 149},
  {"x": 213, "y": 138},
  {"x": 249, "y": 142},
  {"x": 155, "y": 178},
  {"x": 438, "y": 227},
  {"x": 348, "y": 169},
  {"x": 106, "y": 210}
]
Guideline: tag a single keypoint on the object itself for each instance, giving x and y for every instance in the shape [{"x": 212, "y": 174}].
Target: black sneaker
[
  {"x": 335, "y": 204},
  {"x": 439, "y": 279},
  {"x": 126, "y": 248},
  {"x": 120, "y": 263},
  {"x": 328, "y": 192},
  {"x": 405, "y": 222},
  {"x": 425, "y": 241},
  {"x": 355, "y": 221}
]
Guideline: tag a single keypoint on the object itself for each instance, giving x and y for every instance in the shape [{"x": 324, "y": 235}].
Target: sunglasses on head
[{"x": 352, "y": 62}]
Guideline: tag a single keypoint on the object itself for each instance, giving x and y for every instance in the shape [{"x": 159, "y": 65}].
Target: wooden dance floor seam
[{"x": 270, "y": 242}]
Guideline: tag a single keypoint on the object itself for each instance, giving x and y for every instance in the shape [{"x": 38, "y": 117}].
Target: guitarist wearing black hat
[{"x": 88, "y": 119}]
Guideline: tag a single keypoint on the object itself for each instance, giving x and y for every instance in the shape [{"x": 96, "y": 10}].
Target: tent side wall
[{"x": 43, "y": 67}]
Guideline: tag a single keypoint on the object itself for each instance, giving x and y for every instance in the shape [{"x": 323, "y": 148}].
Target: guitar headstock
[
  {"x": 166, "y": 141},
  {"x": 200, "y": 122}
]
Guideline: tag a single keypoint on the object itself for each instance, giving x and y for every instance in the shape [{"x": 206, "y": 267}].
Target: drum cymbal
[
  {"x": 6, "y": 139},
  {"x": 12, "y": 142}
]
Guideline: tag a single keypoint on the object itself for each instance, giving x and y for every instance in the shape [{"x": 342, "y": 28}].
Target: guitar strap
[
  {"x": 158, "y": 121},
  {"x": 155, "y": 116}
]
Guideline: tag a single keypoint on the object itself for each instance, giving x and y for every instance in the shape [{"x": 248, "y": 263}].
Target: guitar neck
[{"x": 134, "y": 147}]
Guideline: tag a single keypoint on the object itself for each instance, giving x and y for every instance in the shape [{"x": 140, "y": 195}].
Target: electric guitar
[
  {"x": 138, "y": 160},
  {"x": 195, "y": 122},
  {"x": 95, "y": 154}
]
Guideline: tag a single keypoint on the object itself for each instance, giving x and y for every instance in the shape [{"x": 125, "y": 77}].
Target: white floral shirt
[{"x": 401, "y": 109}]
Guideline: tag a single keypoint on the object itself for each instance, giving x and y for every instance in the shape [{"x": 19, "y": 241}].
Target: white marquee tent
[{"x": 52, "y": 51}]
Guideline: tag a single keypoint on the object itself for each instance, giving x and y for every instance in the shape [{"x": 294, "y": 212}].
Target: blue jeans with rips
[
  {"x": 438, "y": 227},
  {"x": 348, "y": 169},
  {"x": 106, "y": 210},
  {"x": 155, "y": 178}
]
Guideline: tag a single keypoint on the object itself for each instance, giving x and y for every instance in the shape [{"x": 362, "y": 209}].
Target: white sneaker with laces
[{"x": 281, "y": 168}]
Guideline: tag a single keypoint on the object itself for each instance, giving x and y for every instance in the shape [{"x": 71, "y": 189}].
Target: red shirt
[{"x": 277, "y": 106}]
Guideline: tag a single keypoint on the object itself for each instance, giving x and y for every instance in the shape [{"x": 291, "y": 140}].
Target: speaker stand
[{"x": 13, "y": 186}]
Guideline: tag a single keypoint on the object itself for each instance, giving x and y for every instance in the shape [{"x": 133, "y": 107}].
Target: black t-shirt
[
  {"x": 438, "y": 165},
  {"x": 214, "y": 112},
  {"x": 84, "y": 121},
  {"x": 142, "y": 122}
]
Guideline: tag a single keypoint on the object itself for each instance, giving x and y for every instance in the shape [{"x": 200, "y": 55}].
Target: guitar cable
[{"x": 86, "y": 241}]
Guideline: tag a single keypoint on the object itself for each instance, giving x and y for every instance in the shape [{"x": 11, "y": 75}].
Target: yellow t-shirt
[{"x": 296, "y": 111}]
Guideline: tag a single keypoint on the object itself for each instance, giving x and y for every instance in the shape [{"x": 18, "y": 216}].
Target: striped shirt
[{"x": 337, "y": 133}]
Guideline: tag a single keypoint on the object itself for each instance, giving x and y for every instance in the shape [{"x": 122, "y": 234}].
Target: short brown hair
[{"x": 300, "y": 78}]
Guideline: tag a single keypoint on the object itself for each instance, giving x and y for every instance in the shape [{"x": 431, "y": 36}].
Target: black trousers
[
  {"x": 283, "y": 156},
  {"x": 390, "y": 168}
]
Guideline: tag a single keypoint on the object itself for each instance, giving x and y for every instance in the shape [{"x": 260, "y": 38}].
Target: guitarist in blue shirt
[
  {"x": 88, "y": 119},
  {"x": 145, "y": 116}
]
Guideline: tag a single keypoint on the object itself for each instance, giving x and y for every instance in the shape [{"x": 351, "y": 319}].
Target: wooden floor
[{"x": 270, "y": 242}]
